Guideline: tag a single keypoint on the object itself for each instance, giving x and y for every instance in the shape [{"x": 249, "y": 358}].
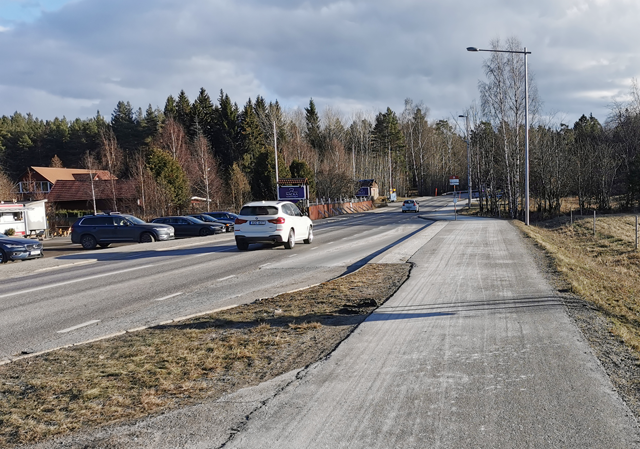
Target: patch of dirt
[{"x": 620, "y": 362}]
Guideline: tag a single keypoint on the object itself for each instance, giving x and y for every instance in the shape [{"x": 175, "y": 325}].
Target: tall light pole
[
  {"x": 526, "y": 124},
  {"x": 468, "y": 163}
]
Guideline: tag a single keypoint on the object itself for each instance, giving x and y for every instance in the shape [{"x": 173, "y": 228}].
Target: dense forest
[{"x": 225, "y": 153}]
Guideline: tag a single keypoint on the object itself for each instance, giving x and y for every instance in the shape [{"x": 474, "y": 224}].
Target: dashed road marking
[
  {"x": 60, "y": 284},
  {"x": 168, "y": 296},
  {"x": 69, "y": 329}
]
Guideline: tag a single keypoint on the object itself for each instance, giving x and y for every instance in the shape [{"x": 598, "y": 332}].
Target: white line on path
[
  {"x": 167, "y": 297},
  {"x": 88, "y": 323},
  {"x": 264, "y": 265},
  {"x": 225, "y": 278},
  {"x": 60, "y": 284},
  {"x": 292, "y": 255}
]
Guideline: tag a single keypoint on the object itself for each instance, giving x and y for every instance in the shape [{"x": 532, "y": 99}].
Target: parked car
[
  {"x": 189, "y": 226},
  {"x": 222, "y": 216},
  {"x": 228, "y": 226},
  {"x": 19, "y": 248},
  {"x": 105, "y": 229},
  {"x": 410, "y": 206},
  {"x": 276, "y": 222}
]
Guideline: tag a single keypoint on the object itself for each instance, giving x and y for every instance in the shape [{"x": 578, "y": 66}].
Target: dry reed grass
[{"x": 603, "y": 269}]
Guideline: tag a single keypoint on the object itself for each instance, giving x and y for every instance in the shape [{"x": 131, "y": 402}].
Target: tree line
[
  {"x": 597, "y": 163},
  {"x": 225, "y": 154}
]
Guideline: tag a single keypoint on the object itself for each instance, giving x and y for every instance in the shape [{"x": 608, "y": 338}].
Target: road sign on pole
[{"x": 454, "y": 181}]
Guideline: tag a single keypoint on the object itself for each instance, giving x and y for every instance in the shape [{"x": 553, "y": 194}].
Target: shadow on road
[{"x": 454, "y": 308}]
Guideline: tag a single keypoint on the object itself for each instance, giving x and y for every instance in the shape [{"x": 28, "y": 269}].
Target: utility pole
[
  {"x": 468, "y": 162},
  {"x": 275, "y": 145}
]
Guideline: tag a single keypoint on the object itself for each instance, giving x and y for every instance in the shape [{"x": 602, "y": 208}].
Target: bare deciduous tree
[{"x": 112, "y": 159}]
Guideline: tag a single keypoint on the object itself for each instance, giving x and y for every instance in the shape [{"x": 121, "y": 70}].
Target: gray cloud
[{"x": 345, "y": 54}]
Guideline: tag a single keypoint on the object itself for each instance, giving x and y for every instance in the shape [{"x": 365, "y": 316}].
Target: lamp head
[{"x": 472, "y": 49}]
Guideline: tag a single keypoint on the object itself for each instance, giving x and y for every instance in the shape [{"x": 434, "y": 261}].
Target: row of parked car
[
  {"x": 104, "y": 229},
  {"x": 270, "y": 222}
]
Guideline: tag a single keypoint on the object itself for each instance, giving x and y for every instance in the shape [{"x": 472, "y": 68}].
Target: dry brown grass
[
  {"x": 603, "y": 269},
  {"x": 138, "y": 374}
]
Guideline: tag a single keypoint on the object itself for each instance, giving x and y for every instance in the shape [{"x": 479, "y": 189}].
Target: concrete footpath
[{"x": 473, "y": 351}]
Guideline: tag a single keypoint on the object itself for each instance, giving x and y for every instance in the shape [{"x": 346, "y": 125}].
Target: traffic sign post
[{"x": 454, "y": 181}]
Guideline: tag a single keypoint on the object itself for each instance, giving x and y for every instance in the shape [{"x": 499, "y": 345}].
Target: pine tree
[
  {"x": 251, "y": 137},
  {"x": 226, "y": 135},
  {"x": 183, "y": 110},
  {"x": 170, "y": 109},
  {"x": 171, "y": 177},
  {"x": 312, "y": 132},
  {"x": 300, "y": 169}
]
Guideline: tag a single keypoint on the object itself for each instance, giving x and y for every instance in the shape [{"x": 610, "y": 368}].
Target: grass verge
[
  {"x": 603, "y": 269},
  {"x": 136, "y": 375}
]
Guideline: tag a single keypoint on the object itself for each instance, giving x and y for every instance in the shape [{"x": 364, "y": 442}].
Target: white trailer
[{"x": 27, "y": 219}]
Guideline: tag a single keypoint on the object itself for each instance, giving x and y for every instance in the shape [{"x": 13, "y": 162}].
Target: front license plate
[
  {"x": 257, "y": 222},
  {"x": 35, "y": 252}
]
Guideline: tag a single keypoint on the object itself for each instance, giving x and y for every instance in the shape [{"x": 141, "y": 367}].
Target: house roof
[
  {"x": 53, "y": 174},
  {"x": 71, "y": 190}
]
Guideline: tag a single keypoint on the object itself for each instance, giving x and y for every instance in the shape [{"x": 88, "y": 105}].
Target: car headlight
[
  {"x": 161, "y": 230},
  {"x": 16, "y": 246}
]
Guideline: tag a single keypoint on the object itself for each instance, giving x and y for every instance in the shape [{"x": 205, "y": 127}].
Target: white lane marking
[
  {"x": 264, "y": 265},
  {"x": 225, "y": 278},
  {"x": 60, "y": 284},
  {"x": 315, "y": 247},
  {"x": 167, "y": 297},
  {"x": 88, "y": 323},
  {"x": 66, "y": 265},
  {"x": 292, "y": 255},
  {"x": 328, "y": 243}
]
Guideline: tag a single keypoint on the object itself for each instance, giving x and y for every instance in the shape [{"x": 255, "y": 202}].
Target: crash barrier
[{"x": 330, "y": 209}]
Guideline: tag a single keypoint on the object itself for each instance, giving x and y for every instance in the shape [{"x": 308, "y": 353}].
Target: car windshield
[
  {"x": 195, "y": 220},
  {"x": 259, "y": 210},
  {"x": 134, "y": 220},
  {"x": 206, "y": 218}
]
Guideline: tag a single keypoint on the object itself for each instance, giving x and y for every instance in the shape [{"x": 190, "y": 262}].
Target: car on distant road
[
  {"x": 189, "y": 226},
  {"x": 105, "y": 229},
  {"x": 19, "y": 248},
  {"x": 228, "y": 226},
  {"x": 410, "y": 206},
  {"x": 275, "y": 222}
]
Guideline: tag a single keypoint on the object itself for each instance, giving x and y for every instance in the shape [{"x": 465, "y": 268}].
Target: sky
[{"x": 73, "y": 58}]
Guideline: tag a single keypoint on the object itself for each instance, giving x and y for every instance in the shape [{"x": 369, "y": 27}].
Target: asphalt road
[{"x": 82, "y": 295}]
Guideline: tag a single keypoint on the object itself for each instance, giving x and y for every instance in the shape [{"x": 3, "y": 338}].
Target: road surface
[{"x": 82, "y": 295}]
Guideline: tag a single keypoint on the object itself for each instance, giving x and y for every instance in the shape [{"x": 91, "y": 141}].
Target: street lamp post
[
  {"x": 526, "y": 123},
  {"x": 469, "y": 190}
]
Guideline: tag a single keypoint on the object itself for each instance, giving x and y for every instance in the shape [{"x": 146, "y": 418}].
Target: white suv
[{"x": 272, "y": 222}]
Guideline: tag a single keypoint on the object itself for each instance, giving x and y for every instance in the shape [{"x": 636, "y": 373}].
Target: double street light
[{"x": 526, "y": 123}]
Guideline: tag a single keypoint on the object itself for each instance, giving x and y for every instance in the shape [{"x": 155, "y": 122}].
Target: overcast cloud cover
[{"x": 74, "y": 57}]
